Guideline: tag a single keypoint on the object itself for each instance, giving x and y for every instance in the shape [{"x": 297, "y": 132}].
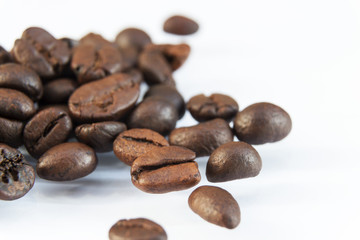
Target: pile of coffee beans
[{"x": 55, "y": 89}]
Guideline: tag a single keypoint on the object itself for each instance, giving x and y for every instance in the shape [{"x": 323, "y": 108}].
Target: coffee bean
[
  {"x": 59, "y": 90},
  {"x": 170, "y": 94},
  {"x": 133, "y": 143},
  {"x": 40, "y": 51},
  {"x": 216, "y": 206},
  {"x": 108, "y": 99},
  {"x": 71, "y": 43},
  {"x": 154, "y": 113},
  {"x": 165, "y": 170},
  {"x": 203, "y": 138},
  {"x": 46, "y": 129},
  {"x": 17, "y": 176},
  {"x": 11, "y": 132},
  {"x": 15, "y": 105},
  {"x": 21, "y": 78},
  {"x": 180, "y": 25},
  {"x": 233, "y": 160},
  {"x": 132, "y": 37},
  {"x": 204, "y": 108},
  {"x": 137, "y": 229},
  {"x": 135, "y": 74},
  {"x": 67, "y": 161},
  {"x": 262, "y": 123},
  {"x": 5, "y": 57},
  {"x": 95, "y": 58},
  {"x": 100, "y": 136},
  {"x": 155, "y": 67}
]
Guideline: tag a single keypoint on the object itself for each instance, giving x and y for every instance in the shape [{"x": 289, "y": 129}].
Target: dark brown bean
[
  {"x": 59, "y": 90},
  {"x": 233, "y": 160},
  {"x": 154, "y": 113},
  {"x": 11, "y": 132},
  {"x": 95, "y": 40},
  {"x": 15, "y": 105},
  {"x": 203, "y": 138},
  {"x": 46, "y": 129},
  {"x": 21, "y": 78},
  {"x": 170, "y": 94},
  {"x": 216, "y": 206},
  {"x": 133, "y": 143},
  {"x": 218, "y": 105},
  {"x": 16, "y": 175},
  {"x": 132, "y": 37},
  {"x": 100, "y": 136},
  {"x": 180, "y": 25},
  {"x": 108, "y": 99},
  {"x": 137, "y": 229},
  {"x": 5, "y": 57},
  {"x": 262, "y": 123},
  {"x": 67, "y": 161},
  {"x": 165, "y": 170},
  {"x": 40, "y": 51}
]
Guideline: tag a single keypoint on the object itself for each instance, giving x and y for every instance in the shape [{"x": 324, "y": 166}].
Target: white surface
[{"x": 302, "y": 55}]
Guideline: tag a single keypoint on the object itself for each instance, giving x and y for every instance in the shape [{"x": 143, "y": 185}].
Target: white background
[{"x": 303, "y": 55}]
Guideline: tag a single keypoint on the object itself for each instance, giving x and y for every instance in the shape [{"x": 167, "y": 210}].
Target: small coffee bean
[
  {"x": 5, "y": 57},
  {"x": 137, "y": 229},
  {"x": 203, "y": 138},
  {"x": 216, "y": 206},
  {"x": 66, "y": 161},
  {"x": 175, "y": 54},
  {"x": 233, "y": 160},
  {"x": 95, "y": 58},
  {"x": 132, "y": 37},
  {"x": 17, "y": 176},
  {"x": 262, "y": 123},
  {"x": 155, "y": 67},
  {"x": 180, "y": 25},
  {"x": 40, "y": 51},
  {"x": 46, "y": 129},
  {"x": 170, "y": 94},
  {"x": 133, "y": 143},
  {"x": 59, "y": 90},
  {"x": 204, "y": 108},
  {"x": 154, "y": 113},
  {"x": 15, "y": 105},
  {"x": 108, "y": 99},
  {"x": 165, "y": 169},
  {"x": 21, "y": 78},
  {"x": 11, "y": 132},
  {"x": 135, "y": 74},
  {"x": 100, "y": 136}
]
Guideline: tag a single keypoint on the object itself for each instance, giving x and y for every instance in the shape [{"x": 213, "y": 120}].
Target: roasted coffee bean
[
  {"x": 40, "y": 51},
  {"x": 154, "y": 113},
  {"x": 137, "y": 229},
  {"x": 21, "y": 78},
  {"x": 204, "y": 108},
  {"x": 262, "y": 123},
  {"x": 5, "y": 57},
  {"x": 203, "y": 138},
  {"x": 175, "y": 54},
  {"x": 132, "y": 37},
  {"x": 170, "y": 94},
  {"x": 133, "y": 143},
  {"x": 16, "y": 175},
  {"x": 216, "y": 206},
  {"x": 180, "y": 25},
  {"x": 135, "y": 74},
  {"x": 15, "y": 105},
  {"x": 108, "y": 99},
  {"x": 95, "y": 58},
  {"x": 11, "y": 132},
  {"x": 67, "y": 161},
  {"x": 100, "y": 136},
  {"x": 155, "y": 67},
  {"x": 46, "y": 129},
  {"x": 59, "y": 90},
  {"x": 165, "y": 170},
  {"x": 233, "y": 160}
]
